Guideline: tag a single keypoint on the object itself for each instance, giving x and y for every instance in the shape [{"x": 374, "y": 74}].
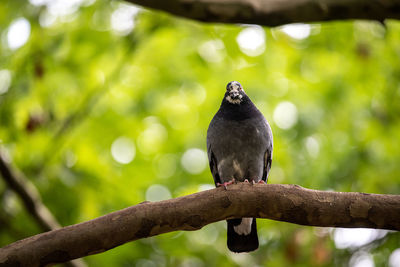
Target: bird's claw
[
  {"x": 262, "y": 182},
  {"x": 247, "y": 181},
  {"x": 225, "y": 184}
]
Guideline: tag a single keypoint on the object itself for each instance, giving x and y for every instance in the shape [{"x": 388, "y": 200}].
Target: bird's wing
[
  {"x": 213, "y": 165},
  {"x": 267, "y": 163},
  {"x": 268, "y": 155}
]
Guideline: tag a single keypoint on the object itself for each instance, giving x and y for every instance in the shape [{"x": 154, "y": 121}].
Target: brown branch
[
  {"x": 28, "y": 194},
  {"x": 287, "y": 203},
  {"x": 276, "y": 12},
  {"x": 31, "y": 199}
]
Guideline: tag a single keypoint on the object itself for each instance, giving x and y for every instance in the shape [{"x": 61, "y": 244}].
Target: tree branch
[
  {"x": 28, "y": 194},
  {"x": 276, "y": 12},
  {"x": 31, "y": 199},
  {"x": 289, "y": 203}
]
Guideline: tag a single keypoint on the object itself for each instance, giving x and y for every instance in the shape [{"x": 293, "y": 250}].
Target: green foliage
[{"x": 77, "y": 86}]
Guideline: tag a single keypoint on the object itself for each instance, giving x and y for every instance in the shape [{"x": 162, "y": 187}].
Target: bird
[{"x": 239, "y": 148}]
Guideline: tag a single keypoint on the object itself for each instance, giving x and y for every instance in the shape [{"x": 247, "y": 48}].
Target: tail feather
[{"x": 242, "y": 243}]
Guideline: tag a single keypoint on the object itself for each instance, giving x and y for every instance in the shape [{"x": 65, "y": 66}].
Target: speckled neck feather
[{"x": 245, "y": 110}]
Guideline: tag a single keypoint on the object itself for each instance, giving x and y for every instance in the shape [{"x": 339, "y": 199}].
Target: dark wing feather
[
  {"x": 267, "y": 163},
  {"x": 213, "y": 165}
]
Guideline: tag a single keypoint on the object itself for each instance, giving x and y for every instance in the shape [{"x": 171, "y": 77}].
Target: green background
[{"x": 77, "y": 85}]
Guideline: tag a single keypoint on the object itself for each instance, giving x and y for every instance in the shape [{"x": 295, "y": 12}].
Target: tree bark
[
  {"x": 289, "y": 203},
  {"x": 276, "y": 12}
]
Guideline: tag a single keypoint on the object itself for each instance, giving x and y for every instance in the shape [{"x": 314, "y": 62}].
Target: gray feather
[{"x": 239, "y": 149}]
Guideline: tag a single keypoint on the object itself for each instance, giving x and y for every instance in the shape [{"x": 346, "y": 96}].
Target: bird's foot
[
  {"x": 226, "y": 184},
  {"x": 247, "y": 181},
  {"x": 262, "y": 182}
]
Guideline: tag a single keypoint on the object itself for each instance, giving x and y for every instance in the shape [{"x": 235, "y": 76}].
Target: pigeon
[{"x": 239, "y": 146}]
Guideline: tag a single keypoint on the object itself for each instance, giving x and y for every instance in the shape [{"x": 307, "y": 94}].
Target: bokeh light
[
  {"x": 251, "y": 41},
  {"x": 157, "y": 192},
  {"x": 122, "y": 19},
  {"x": 361, "y": 259},
  {"x": 297, "y": 31},
  {"x": 194, "y": 160},
  {"x": 356, "y": 237},
  {"x": 394, "y": 259},
  {"x": 5, "y": 81},
  {"x": 212, "y": 51},
  {"x": 312, "y": 146},
  {"x": 18, "y": 33},
  {"x": 123, "y": 150},
  {"x": 285, "y": 115}
]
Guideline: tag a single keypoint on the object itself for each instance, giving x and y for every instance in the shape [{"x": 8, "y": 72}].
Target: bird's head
[{"x": 234, "y": 92}]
